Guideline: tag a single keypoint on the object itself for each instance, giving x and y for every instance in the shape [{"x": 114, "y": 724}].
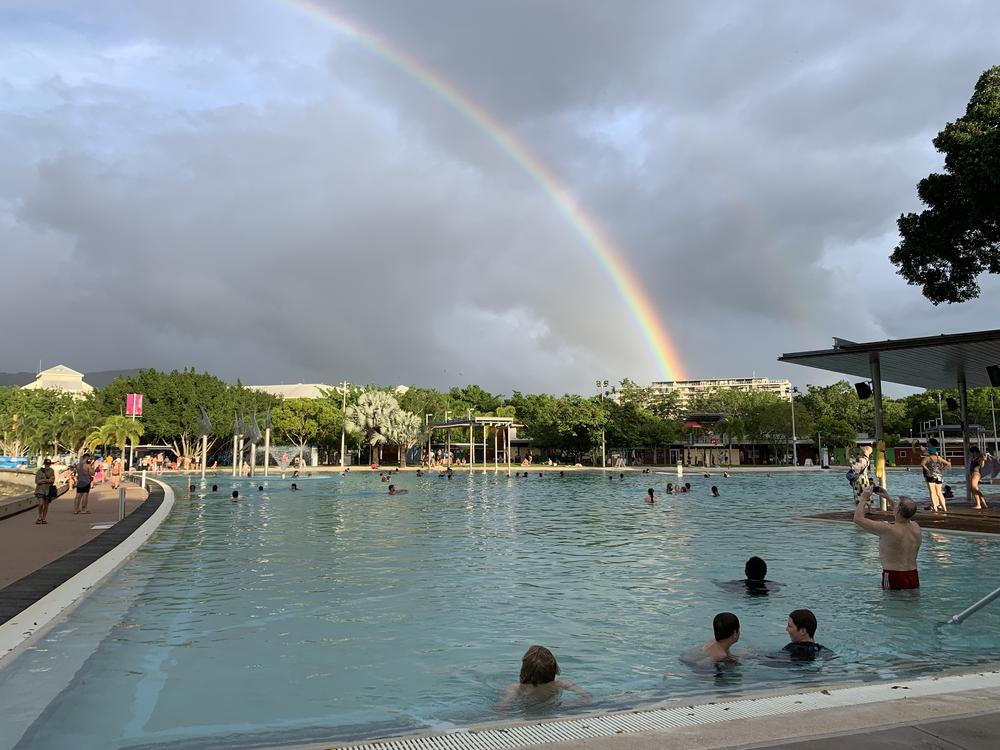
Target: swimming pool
[{"x": 338, "y": 612}]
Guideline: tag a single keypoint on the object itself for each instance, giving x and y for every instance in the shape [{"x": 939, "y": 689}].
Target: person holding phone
[{"x": 898, "y": 542}]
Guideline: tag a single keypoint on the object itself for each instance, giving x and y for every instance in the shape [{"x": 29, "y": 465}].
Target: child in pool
[{"x": 539, "y": 679}]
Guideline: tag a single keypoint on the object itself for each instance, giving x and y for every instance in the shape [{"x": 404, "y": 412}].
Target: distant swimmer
[
  {"x": 562, "y": 473},
  {"x": 394, "y": 491},
  {"x": 706, "y": 475},
  {"x": 215, "y": 488},
  {"x": 419, "y": 473},
  {"x": 294, "y": 486},
  {"x": 725, "y": 475},
  {"x": 236, "y": 496},
  {"x": 650, "y": 497},
  {"x": 898, "y": 542},
  {"x": 191, "y": 488},
  {"x": 260, "y": 488},
  {"x": 715, "y": 491},
  {"x": 755, "y": 583},
  {"x": 621, "y": 476}
]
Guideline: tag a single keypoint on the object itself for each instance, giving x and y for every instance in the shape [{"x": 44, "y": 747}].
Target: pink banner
[{"x": 133, "y": 404}]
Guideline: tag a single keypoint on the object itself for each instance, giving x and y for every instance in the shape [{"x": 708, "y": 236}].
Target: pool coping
[
  {"x": 26, "y": 626},
  {"x": 676, "y": 723}
]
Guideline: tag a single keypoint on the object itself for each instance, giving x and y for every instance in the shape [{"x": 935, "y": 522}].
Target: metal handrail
[{"x": 974, "y": 608}]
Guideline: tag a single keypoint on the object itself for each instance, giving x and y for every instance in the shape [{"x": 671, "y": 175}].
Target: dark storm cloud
[{"x": 258, "y": 195}]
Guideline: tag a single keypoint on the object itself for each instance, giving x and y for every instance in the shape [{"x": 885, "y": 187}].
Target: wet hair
[
  {"x": 538, "y": 666},
  {"x": 670, "y": 486},
  {"x": 260, "y": 488},
  {"x": 804, "y": 618},
  {"x": 755, "y": 569},
  {"x": 688, "y": 485},
  {"x": 650, "y": 490},
  {"x": 392, "y": 487},
  {"x": 294, "y": 486},
  {"x": 215, "y": 488},
  {"x": 191, "y": 488},
  {"x": 907, "y": 508},
  {"x": 715, "y": 490},
  {"x": 724, "y": 625},
  {"x": 236, "y": 494}
]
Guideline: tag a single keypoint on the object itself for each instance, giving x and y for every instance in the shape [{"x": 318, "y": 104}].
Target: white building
[
  {"x": 297, "y": 390},
  {"x": 61, "y": 378},
  {"x": 688, "y": 389}
]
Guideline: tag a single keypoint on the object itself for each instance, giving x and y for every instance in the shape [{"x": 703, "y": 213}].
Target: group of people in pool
[{"x": 540, "y": 678}]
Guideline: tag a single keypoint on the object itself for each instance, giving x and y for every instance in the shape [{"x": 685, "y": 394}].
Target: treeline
[{"x": 567, "y": 428}]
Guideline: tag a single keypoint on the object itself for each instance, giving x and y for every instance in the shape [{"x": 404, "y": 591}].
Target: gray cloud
[{"x": 260, "y": 196}]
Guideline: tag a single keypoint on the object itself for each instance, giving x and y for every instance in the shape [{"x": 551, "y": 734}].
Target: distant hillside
[{"x": 96, "y": 379}]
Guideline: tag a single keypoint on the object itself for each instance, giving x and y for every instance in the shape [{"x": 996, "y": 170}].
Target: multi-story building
[{"x": 688, "y": 389}]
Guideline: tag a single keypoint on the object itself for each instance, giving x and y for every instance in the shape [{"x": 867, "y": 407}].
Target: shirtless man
[
  {"x": 726, "y": 627},
  {"x": 898, "y": 542}
]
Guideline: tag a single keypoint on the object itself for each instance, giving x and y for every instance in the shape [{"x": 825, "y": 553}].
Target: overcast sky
[{"x": 239, "y": 186}]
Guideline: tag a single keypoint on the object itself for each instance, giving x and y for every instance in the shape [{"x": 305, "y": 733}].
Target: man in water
[
  {"x": 898, "y": 542},
  {"x": 394, "y": 491},
  {"x": 726, "y": 627},
  {"x": 236, "y": 496},
  {"x": 801, "y": 628}
]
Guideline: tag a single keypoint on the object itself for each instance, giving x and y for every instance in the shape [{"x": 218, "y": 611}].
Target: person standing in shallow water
[{"x": 898, "y": 542}]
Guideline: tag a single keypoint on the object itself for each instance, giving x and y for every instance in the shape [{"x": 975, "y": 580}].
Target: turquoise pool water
[{"x": 338, "y": 612}]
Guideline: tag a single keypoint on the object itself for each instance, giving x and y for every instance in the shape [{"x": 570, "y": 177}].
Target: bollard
[
  {"x": 121, "y": 502},
  {"x": 143, "y": 483}
]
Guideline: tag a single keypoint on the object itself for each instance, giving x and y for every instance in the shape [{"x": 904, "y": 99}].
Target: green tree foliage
[
  {"x": 945, "y": 247},
  {"x": 40, "y": 421},
  {"x": 402, "y": 429},
  {"x": 306, "y": 421},
  {"x": 117, "y": 430},
  {"x": 369, "y": 417},
  {"x": 171, "y": 400}
]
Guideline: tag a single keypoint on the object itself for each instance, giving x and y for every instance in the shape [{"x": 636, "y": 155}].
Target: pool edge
[{"x": 22, "y": 629}]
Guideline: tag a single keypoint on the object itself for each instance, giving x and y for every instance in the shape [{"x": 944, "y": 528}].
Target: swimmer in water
[
  {"x": 294, "y": 486},
  {"x": 215, "y": 488},
  {"x": 715, "y": 491},
  {"x": 650, "y": 497},
  {"x": 394, "y": 491},
  {"x": 236, "y": 496},
  {"x": 260, "y": 488},
  {"x": 539, "y": 679},
  {"x": 726, "y": 629}
]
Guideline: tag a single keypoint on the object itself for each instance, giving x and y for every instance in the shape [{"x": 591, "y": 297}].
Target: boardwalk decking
[{"x": 958, "y": 518}]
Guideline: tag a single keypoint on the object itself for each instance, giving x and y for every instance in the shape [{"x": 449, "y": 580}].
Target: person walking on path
[
  {"x": 84, "y": 477},
  {"x": 116, "y": 473},
  {"x": 45, "y": 489}
]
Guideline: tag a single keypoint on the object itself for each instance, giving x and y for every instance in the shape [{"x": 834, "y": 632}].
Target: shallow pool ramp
[{"x": 610, "y": 725}]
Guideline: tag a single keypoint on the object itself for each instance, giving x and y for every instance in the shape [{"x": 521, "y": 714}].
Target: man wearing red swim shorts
[{"x": 898, "y": 542}]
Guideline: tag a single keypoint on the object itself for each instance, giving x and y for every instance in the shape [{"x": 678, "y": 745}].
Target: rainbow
[{"x": 639, "y": 304}]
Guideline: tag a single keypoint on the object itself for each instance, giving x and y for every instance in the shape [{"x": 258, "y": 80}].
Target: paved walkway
[{"x": 28, "y": 546}]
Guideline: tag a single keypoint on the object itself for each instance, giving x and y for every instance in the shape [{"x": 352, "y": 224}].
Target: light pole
[
  {"x": 993, "y": 411},
  {"x": 472, "y": 445},
  {"x": 791, "y": 400},
  {"x": 427, "y": 422},
  {"x": 602, "y": 386},
  {"x": 447, "y": 447},
  {"x": 343, "y": 422}
]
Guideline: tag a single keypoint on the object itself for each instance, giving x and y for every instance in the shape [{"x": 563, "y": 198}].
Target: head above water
[
  {"x": 538, "y": 666},
  {"x": 755, "y": 569},
  {"x": 236, "y": 494},
  {"x": 725, "y": 625},
  {"x": 802, "y": 624}
]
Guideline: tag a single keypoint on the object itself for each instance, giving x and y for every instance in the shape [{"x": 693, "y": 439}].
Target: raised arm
[{"x": 868, "y": 524}]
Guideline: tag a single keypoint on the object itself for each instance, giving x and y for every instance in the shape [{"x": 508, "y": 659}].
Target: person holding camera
[{"x": 898, "y": 542}]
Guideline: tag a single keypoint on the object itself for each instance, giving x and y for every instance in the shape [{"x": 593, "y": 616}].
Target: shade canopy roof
[{"x": 929, "y": 362}]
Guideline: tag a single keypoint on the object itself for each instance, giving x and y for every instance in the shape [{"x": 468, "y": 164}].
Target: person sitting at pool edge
[
  {"x": 726, "y": 627},
  {"x": 801, "y": 629},
  {"x": 539, "y": 679},
  {"x": 898, "y": 542}
]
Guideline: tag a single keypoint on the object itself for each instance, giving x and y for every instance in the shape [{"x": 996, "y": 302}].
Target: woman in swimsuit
[
  {"x": 976, "y": 461},
  {"x": 933, "y": 467}
]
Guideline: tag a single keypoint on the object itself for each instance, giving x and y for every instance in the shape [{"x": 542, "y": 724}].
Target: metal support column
[
  {"x": 875, "y": 366},
  {"x": 963, "y": 416}
]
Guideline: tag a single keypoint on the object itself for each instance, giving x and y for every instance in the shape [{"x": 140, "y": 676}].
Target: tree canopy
[{"x": 947, "y": 246}]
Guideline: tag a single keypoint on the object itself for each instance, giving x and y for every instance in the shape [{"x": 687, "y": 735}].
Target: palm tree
[
  {"x": 370, "y": 415},
  {"x": 116, "y": 430},
  {"x": 403, "y": 429}
]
